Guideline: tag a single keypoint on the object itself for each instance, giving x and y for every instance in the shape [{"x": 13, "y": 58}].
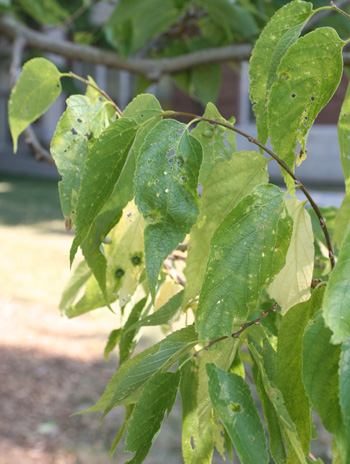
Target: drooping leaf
[
  {"x": 344, "y": 391},
  {"x": 286, "y": 424},
  {"x": 103, "y": 166},
  {"x": 280, "y": 33},
  {"x": 342, "y": 223},
  {"x": 166, "y": 179},
  {"x": 308, "y": 76},
  {"x": 289, "y": 365},
  {"x": 336, "y": 304},
  {"x": 226, "y": 185},
  {"x": 321, "y": 378},
  {"x": 164, "y": 315},
  {"x": 127, "y": 336},
  {"x": 233, "y": 402},
  {"x": 77, "y": 129},
  {"x": 36, "y": 89},
  {"x": 112, "y": 342},
  {"x": 276, "y": 443},
  {"x": 121, "y": 432},
  {"x": 127, "y": 383},
  {"x": 246, "y": 251},
  {"x": 79, "y": 277},
  {"x": 206, "y": 82},
  {"x": 217, "y": 142},
  {"x": 292, "y": 284},
  {"x": 121, "y": 266},
  {"x": 143, "y": 109},
  {"x": 158, "y": 397}
]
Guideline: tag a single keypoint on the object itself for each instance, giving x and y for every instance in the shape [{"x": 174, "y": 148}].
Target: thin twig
[
  {"x": 283, "y": 165},
  {"x": 323, "y": 14},
  {"x": 102, "y": 92},
  {"x": 173, "y": 274},
  {"x": 336, "y": 8},
  {"x": 242, "y": 329}
]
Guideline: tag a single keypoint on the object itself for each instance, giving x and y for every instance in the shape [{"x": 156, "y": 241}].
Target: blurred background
[{"x": 52, "y": 367}]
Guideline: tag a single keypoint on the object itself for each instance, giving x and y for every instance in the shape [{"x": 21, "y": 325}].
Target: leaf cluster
[{"x": 233, "y": 267}]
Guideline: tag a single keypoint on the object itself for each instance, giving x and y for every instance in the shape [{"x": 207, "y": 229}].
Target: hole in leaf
[
  {"x": 312, "y": 99},
  {"x": 141, "y": 115},
  {"x": 100, "y": 99},
  {"x": 171, "y": 160},
  {"x": 170, "y": 153},
  {"x": 235, "y": 407},
  {"x": 79, "y": 120},
  {"x": 87, "y": 136},
  {"x": 166, "y": 190},
  {"x": 293, "y": 95},
  {"x": 73, "y": 131},
  {"x": 26, "y": 108},
  {"x": 119, "y": 273}
]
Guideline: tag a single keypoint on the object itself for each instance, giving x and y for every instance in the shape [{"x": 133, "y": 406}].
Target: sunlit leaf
[
  {"x": 293, "y": 283},
  {"x": 36, "y": 89},
  {"x": 226, "y": 185},
  {"x": 246, "y": 251}
]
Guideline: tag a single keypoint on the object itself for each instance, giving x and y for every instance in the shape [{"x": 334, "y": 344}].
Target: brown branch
[
  {"x": 41, "y": 154},
  {"x": 153, "y": 69},
  {"x": 283, "y": 165},
  {"x": 173, "y": 274},
  {"x": 242, "y": 329}
]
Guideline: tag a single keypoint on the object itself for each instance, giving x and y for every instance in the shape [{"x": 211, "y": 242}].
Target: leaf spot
[
  {"x": 235, "y": 407},
  {"x": 119, "y": 273}
]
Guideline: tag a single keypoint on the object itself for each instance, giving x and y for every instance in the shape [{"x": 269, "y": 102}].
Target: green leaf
[
  {"x": 308, "y": 76},
  {"x": 217, "y": 142},
  {"x": 166, "y": 179},
  {"x": 292, "y": 284},
  {"x": 127, "y": 336},
  {"x": 81, "y": 122},
  {"x": 128, "y": 411},
  {"x": 232, "y": 399},
  {"x": 48, "y": 12},
  {"x": 79, "y": 277},
  {"x": 112, "y": 342},
  {"x": 280, "y": 33},
  {"x": 103, "y": 167},
  {"x": 158, "y": 397},
  {"x": 232, "y": 18},
  {"x": 197, "y": 445},
  {"x": 342, "y": 222},
  {"x": 321, "y": 377},
  {"x": 143, "y": 23},
  {"x": 246, "y": 251},
  {"x": 127, "y": 383},
  {"x": 336, "y": 305},
  {"x": 276, "y": 398},
  {"x": 276, "y": 442},
  {"x": 142, "y": 108},
  {"x": 344, "y": 391},
  {"x": 206, "y": 83},
  {"x": 226, "y": 185},
  {"x": 121, "y": 266},
  {"x": 289, "y": 365},
  {"x": 164, "y": 315},
  {"x": 36, "y": 89}
]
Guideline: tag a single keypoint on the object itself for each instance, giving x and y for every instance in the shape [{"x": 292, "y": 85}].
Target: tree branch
[
  {"x": 242, "y": 329},
  {"x": 153, "y": 69}
]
